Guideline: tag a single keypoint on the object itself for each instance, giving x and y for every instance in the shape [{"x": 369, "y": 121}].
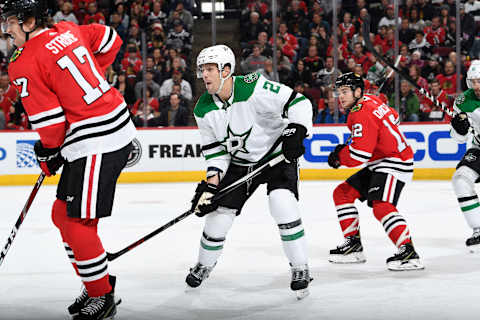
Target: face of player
[
  {"x": 347, "y": 96},
  {"x": 13, "y": 28},
  {"x": 211, "y": 77},
  {"x": 476, "y": 86}
]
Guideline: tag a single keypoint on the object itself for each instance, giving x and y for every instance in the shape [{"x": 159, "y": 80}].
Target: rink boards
[{"x": 173, "y": 155}]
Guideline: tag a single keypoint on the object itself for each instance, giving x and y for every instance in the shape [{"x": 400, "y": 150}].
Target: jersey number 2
[{"x": 91, "y": 93}]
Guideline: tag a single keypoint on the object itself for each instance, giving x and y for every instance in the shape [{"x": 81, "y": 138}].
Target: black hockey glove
[
  {"x": 49, "y": 159},
  {"x": 201, "y": 202},
  {"x": 460, "y": 123},
  {"x": 292, "y": 138},
  {"x": 333, "y": 160}
]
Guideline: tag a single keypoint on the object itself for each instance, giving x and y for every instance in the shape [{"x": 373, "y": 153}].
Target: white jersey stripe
[
  {"x": 43, "y": 124},
  {"x": 104, "y": 39},
  {"x": 94, "y": 192},
  {"x": 93, "y": 260},
  {"x": 86, "y": 177},
  {"x": 110, "y": 44},
  {"x": 44, "y": 114},
  {"x": 391, "y": 196},
  {"x": 360, "y": 152}
]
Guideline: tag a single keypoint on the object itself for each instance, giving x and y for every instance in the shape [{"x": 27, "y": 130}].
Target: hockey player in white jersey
[
  {"x": 239, "y": 120},
  {"x": 467, "y": 174}
]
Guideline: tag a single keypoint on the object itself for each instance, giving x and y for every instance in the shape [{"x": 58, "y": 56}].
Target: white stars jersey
[{"x": 244, "y": 128}]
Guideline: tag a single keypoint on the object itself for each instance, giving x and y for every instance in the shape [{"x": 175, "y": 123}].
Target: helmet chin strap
[
  {"x": 27, "y": 33},
  {"x": 222, "y": 82}
]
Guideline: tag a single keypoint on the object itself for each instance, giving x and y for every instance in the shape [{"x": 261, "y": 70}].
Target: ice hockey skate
[
  {"x": 98, "y": 308},
  {"x": 406, "y": 259},
  {"x": 300, "y": 281},
  {"x": 473, "y": 243},
  {"x": 81, "y": 300},
  {"x": 197, "y": 275},
  {"x": 351, "y": 251}
]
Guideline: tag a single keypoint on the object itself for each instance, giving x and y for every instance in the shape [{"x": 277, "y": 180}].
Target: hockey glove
[
  {"x": 333, "y": 159},
  {"x": 460, "y": 123},
  {"x": 202, "y": 200},
  {"x": 49, "y": 159},
  {"x": 292, "y": 138}
]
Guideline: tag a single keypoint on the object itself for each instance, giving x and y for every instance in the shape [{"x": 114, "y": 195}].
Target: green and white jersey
[
  {"x": 244, "y": 128},
  {"x": 469, "y": 103}
]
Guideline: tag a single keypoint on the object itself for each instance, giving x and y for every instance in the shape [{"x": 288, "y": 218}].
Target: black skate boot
[
  {"x": 98, "y": 308},
  {"x": 473, "y": 243},
  {"x": 198, "y": 274},
  {"x": 300, "y": 281},
  {"x": 80, "y": 301},
  {"x": 405, "y": 259},
  {"x": 351, "y": 251}
]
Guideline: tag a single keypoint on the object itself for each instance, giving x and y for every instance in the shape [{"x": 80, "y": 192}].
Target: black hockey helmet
[
  {"x": 351, "y": 80},
  {"x": 24, "y": 9}
]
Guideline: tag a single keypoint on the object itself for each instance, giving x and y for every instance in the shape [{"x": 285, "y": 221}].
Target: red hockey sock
[
  {"x": 344, "y": 197},
  {"x": 90, "y": 256},
  {"x": 59, "y": 218},
  {"x": 394, "y": 224}
]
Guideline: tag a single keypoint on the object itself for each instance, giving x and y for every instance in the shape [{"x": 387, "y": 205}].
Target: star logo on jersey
[
  {"x": 235, "y": 143},
  {"x": 460, "y": 99},
  {"x": 16, "y": 54},
  {"x": 250, "y": 78}
]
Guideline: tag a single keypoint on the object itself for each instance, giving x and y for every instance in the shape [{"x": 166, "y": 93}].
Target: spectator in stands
[
  {"x": 178, "y": 64},
  {"x": 179, "y": 38},
  {"x": 296, "y": 21},
  {"x": 254, "y": 61},
  {"x": 432, "y": 69},
  {"x": 158, "y": 75},
  {"x": 429, "y": 111},
  {"x": 301, "y": 74},
  {"x": 267, "y": 70},
  {"x": 284, "y": 67},
  {"x": 313, "y": 61},
  {"x": 414, "y": 73},
  {"x": 327, "y": 115},
  {"x": 265, "y": 47},
  {"x": 448, "y": 79},
  {"x": 120, "y": 9},
  {"x": 444, "y": 16},
  {"x": 155, "y": 87},
  {"x": 389, "y": 19},
  {"x": 132, "y": 64},
  {"x": 286, "y": 49},
  {"x": 80, "y": 9},
  {"x": 148, "y": 117},
  {"x": 16, "y": 118},
  {"x": 65, "y": 14},
  {"x": 317, "y": 23},
  {"x": 126, "y": 88},
  {"x": 416, "y": 23},
  {"x": 425, "y": 9},
  {"x": 347, "y": 27},
  {"x": 156, "y": 14},
  {"x": 389, "y": 46},
  {"x": 405, "y": 33},
  {"x": 157, "y": 37},
  {"x": 9, "y": 92},
  {"x": 360, "y": 58},
  {"x": 167, "y": 86},
  {"x": 158, "y": 58},
  {"x": 420, "y": 44},
  {"x": 175, "y": 113},
  {"x": 417, "y": 59},
  {"x": 409, "y": 107},
  {"x": 251, "y": 30},
  {"x": 172, "y": 54},
  {"x": 93, "y": 16},
  {"x": 134, "y": 35},
  {"x": 467, "y": 28},
  {"x": 473, "y": 7},
  {"x": 435, "y": 34},
  {"x": 116, "y": 23},
  {"x": 184, "y": 15},
  {"x": 289, "y": 38},
  {"x": 381, "y": 37}
]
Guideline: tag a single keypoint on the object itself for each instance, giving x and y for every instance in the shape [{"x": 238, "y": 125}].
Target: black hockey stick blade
[
  {"x": 369, "y": 45},
  {"x": 221, "y": 194},
  {"x": 22, "y": 216}
]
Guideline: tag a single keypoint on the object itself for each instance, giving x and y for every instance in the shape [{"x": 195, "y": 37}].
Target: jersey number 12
[{"x": 91, "y": 93}]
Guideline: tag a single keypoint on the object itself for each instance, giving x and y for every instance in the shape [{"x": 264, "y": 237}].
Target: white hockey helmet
[
  {"x": 221, "y": 55},
  {"x": 473, "y": 72}
]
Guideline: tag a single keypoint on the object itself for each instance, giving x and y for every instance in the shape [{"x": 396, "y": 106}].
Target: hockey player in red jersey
[
  {"x": 377, "y": 143},
  {"x": 84, "y": 125}
]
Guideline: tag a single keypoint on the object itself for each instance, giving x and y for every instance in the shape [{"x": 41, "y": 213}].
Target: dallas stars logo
[{"x": 235, "y": 143}]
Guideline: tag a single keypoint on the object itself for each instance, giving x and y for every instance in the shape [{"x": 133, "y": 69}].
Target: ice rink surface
[{"x": 251, "y": 279}]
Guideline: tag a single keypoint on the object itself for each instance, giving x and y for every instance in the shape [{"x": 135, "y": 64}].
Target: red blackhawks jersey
[
  {"x": 60, "y": 77},
  {"x": 376, "y": 140}
]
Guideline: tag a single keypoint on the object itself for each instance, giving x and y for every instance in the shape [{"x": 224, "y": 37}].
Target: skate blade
[
  {"x": 302, "y": 293},
  {"x": 410, "y": 265},
  {"x": 474, "y": 249},
  {"x": 355, "y": 257}
]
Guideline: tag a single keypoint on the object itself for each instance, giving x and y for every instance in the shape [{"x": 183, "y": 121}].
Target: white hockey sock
[
  {"x": 217, "y": 224},
  {"x": 464, "y": 186},
  {"x": 284, "y": 209}
]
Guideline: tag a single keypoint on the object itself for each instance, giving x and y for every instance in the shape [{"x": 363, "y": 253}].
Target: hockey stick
[
  {"x": 268, "y": 163},
  {"x": 388, "y": 76},
  {"x": 368, "y": 43},
  {"x": 22, "y": 216}
]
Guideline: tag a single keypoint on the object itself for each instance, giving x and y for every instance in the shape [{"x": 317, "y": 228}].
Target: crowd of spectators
[
  {"x": 168, "y": 26},
  {"x": 427, "y": 44}
]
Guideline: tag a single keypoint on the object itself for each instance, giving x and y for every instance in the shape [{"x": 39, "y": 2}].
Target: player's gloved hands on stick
[
  {"x": 292, "y": 138},
  {"x": 460, "y": 123},
  {"x": 333, "y": 159},
  {"x": 49, "y": 159},
  {"x": 202, "y": 200}
]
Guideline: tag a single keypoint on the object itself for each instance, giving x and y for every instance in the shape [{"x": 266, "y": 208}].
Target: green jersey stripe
[
  {"x": 214, "y": 155},
  {"x": 470, "y": 207},
  {"x": 297, "y": 100},
  {"x": 211, "y": 248}
]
